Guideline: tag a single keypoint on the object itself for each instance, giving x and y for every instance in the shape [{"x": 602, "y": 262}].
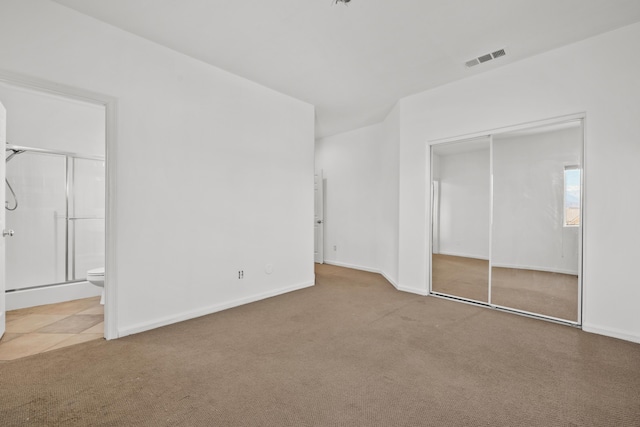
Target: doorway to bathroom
[{"x": 54, "y": 216}]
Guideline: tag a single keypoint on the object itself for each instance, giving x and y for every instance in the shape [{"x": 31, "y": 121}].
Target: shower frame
[{"x": 70, "y": 261}]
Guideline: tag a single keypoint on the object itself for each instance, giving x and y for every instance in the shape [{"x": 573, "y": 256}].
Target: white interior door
[
  {"x": 3, "y": 142},
  {"x": 318, "y": 219}
]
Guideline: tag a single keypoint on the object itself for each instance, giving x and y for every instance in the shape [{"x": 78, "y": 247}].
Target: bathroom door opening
[{"x": 77, "y": 211}]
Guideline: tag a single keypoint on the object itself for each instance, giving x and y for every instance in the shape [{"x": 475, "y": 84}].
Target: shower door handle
[{"x": 8, "y": 233}]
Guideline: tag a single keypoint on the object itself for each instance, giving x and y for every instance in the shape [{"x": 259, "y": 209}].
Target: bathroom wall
[
  {"x": 214, "y": 173},
  {"x": 43, "y": 120},
  {"x": 35, "y": 255}
]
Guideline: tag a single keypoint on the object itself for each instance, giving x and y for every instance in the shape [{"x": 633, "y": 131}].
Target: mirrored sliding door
[
  {"x": 461, "y": 219},
  {"x": 507, "y": 220},
  {"x": 536, "y": 220}
]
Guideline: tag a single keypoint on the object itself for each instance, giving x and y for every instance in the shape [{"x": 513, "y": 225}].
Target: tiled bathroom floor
[{"x": 35, "y": 330}]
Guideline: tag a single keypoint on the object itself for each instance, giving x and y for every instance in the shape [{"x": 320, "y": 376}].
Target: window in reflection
[{"x": 572, "y": 192}]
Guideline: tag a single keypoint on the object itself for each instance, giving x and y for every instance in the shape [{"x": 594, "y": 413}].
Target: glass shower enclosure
[{"x": 56, "y": 208}]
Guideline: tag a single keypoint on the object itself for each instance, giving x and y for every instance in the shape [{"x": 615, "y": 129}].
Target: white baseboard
[
  {"x": 50, "y": 295},
  {"x": 473, "y": 256},
  {"x": 390, "y": 280},
  {"x": 164, "y": 321},
  {"x": 353, "y": 266},
  {"x": 417, "y": 291},
  {"x": 382, "y": 273},
  {"x": 534, "y": 268},
  {"x": 363, "y": 268},
  {"x": 613, "y": 333}
]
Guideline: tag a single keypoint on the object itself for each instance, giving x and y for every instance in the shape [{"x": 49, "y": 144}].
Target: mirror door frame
[{"x": 581, "y": 246}]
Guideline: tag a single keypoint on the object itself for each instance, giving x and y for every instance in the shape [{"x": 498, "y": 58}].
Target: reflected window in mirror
[{"x": 572, "y": 191}]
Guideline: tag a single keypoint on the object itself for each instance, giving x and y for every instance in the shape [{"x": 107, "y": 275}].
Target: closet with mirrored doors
[{"x": 506, "y": 219}]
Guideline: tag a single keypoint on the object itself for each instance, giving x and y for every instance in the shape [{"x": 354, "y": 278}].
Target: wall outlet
[
  {"x": 240, "y": 274},
  {"x": 335, "y": 248}
]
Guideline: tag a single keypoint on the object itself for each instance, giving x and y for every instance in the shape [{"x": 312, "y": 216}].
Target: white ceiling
[{"x": 354, "y": 62}]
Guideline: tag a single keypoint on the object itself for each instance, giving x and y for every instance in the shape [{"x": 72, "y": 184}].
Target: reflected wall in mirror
[
  {"x": 536, "y": 220},
  {"x": 461, "y": 219}
]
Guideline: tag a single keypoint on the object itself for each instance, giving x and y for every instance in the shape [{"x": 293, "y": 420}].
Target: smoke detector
[{"x": 485, "y": 58}]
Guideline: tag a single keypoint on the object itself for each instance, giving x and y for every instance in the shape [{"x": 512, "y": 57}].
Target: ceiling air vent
[
  {"x": 485, "y": 58},
  {"x": 498, "y": 53},
  {"x": 472, "y": 62}
]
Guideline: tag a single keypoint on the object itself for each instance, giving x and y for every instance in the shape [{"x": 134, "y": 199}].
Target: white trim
[
  {"x": 110, "y": 104},
  {"x": 192, "y": 314},
  {"x": 50, "y": 295},
  {"x": 583, "y": 225},
  {"x": 461, "y": 255},
  {"x": 536, "y": 268},
  {"x": 514, "y": 128},
  {"x": 491, "y": 212},
  {"x": 353, "y": 266},
  {"x": 111, "y": 285},
  {"x": 367, "y": 269},
  {"x": 389, "y": 279},
  {"x": 417, "y": 291},
  {"x": 613, "y": 333}
]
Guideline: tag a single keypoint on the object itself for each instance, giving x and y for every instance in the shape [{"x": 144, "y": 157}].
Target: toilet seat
[
  {"x": 96, "y": 277},
  {"x": 96, "y": 272}
]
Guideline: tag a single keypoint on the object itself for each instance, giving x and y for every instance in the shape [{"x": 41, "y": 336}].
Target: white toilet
[{"x": 96, "y": 277}]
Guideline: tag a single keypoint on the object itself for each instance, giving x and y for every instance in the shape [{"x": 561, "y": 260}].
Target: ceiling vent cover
[
  {"x": 472, "y": 62},
  {"x": 498, "y": 53},
  {"x": 485, "y": 58}
]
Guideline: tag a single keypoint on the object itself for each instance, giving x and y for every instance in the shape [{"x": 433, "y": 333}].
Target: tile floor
[{"x": 35, "y": 330}]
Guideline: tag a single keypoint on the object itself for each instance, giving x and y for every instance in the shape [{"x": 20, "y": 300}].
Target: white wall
[
  {"x": 388, "y": 186},
  {"x": 214, "y": 173},
  {"x": 596, "y": 76}
]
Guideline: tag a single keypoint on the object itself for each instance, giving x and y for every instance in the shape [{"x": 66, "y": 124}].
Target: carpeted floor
[{"x": 351, "y": 351}]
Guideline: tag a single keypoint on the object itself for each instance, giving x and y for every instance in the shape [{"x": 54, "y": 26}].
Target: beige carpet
[
  {"x": 351, "y": 351},
  {"x": 540, "y": 292}
]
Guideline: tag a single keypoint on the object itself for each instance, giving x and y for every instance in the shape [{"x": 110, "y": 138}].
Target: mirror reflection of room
[
  {"x": 506, "y": 220},
  {"x": 536, "y": 220},
  {"x": 461, "y": 219}
]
